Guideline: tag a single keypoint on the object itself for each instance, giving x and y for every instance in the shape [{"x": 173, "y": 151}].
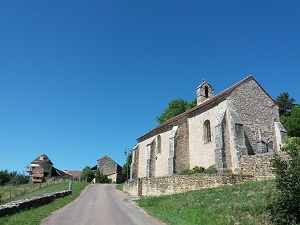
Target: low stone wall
[
  {"x": 181, "y": 183},
  {"x": 253, "y": 167},
  {"x": 16, "y": 206},
  {"x": 258, "y": 166}
]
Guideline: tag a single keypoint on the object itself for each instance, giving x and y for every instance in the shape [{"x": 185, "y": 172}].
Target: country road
[{"x": 101, "y": 204}]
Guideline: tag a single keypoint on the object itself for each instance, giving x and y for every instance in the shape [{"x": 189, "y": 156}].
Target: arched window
[
  {"x": 206, "y": 132},
  {"x": 206, "y": 92}
]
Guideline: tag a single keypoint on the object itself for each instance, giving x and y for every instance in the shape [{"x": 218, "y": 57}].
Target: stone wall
[
  {"x": 16, "y": 206},
  {"x": 259, "y": 165},
  {"x": 258, "y": 112},
  {"x": 181, "y": 183},
  {"x": 253, "y": 168},
  {"x": 182, "y": 156}
]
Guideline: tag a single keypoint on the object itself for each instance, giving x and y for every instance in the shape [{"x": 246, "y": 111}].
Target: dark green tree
[
  {"x": 285, "y": 104},
  {"x": 126, "y": 166},
  {"x": 175, "y": 108},
  {"x": 18, "y": 178},
  {"x": 285, "y": 206},
  {"x": 101, "y": 178},
  {"x": 192, "y": 104},
  {"x": 292, "y": 123},
  {"x": 87, "y": 174},
  {"x": 4, "y": 177}
]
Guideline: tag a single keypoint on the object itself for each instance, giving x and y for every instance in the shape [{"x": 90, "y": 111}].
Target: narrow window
[
  {"x": 206, "y": 92},
  {"x": 158, "y": 144},
  {"x": 206, "y": 132}
]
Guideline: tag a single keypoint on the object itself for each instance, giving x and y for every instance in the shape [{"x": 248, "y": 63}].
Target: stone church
[{"x": 220, "y": 130}]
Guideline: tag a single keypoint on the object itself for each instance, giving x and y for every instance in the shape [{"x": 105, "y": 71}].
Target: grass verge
[
  {"x": 36, "y": 215},
  {"x": 119, "y": 187},
  {"x": 242, "y": 204},
  {"x": 38, "y": 189}
]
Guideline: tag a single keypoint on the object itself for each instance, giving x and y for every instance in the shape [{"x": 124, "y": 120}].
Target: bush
[
  {"x": 211, "y": 170},
  {"x": 87, "y": 174},
  {"x": 285, "y": 205},
  {"x": 198, "y": 169},
  {"x": 185, "y": 172},
  {"x": 101, "y": 178}
]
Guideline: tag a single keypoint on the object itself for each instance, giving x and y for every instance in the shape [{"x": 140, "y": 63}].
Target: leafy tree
[
  {"x": 101, "y": 178},
  {"x": 175, "y": 108},
  {"x": 292, "y": 123},
  {"x": 4, "y": 177},
  {"x": 126, "y": 166},
  {"x": 18, "y": 178},
  {"x": 13, "y": 178},
  {"x": 285, "y": 206},
  {"x": 192, "y": 104},
  {"x": 285, "y": 104},
  {"x": 87, "y": 174}
]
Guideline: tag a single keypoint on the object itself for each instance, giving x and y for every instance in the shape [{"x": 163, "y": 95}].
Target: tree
[
  {"x": 285, "y": 104},
  {"x": 87, "y": 174},
  {"x": 18, "y": 178},
  {"x": 101, "y": 178},
  {"x": 4, "y": 177},
  {"x": 126, "y": 166},
  {"x": 192, "y": 104},
  {"x": 175, "y": 108},
  {"x": 285, "y": 205},
  {"x": 292, "y": 123}
]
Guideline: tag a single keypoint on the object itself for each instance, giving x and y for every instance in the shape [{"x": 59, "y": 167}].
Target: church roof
[{"x": 205, "y": 103}]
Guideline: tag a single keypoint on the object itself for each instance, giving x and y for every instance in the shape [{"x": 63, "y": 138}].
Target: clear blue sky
[{"x": 84, "y": 79}]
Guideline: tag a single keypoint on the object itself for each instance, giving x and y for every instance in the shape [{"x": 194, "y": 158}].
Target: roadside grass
[
  {"x": 242, "y": 204},
  {"x": 36, "y": 215},
  {"x": 30, "y": 190},
  {"x": 119, "y": 187}
]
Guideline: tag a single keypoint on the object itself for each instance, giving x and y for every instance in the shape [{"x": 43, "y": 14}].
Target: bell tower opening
[{"x": 204, "y": 92}]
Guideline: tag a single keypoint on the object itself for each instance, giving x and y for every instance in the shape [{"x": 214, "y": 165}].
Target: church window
[
  {"x": 158, "y": 144},
  {"x": 206, "y": 132},
  {"x": 206, "y": 92}
]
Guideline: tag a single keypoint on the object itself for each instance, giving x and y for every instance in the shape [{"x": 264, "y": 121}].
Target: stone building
[
  {"x": 42, "y": 168},
  {"x": 241, "y": 120},
  {"x": 109, "y": 167}
]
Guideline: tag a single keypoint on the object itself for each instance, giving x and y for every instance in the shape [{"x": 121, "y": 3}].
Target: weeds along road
[{"x": 101, "y": 204}]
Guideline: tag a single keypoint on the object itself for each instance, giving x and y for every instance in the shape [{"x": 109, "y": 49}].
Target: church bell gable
[{"x": 204, "y": 92}]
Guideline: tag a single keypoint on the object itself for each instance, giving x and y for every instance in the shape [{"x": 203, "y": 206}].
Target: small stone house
[
  {"x": 240, "y": 121},
  {"x": 109, "y": 167},
  {"x": 42, "y": 168}
]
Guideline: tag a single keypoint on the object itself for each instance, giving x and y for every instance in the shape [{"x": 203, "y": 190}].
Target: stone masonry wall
[
  {"x": 182, "y": 156},
  {"x": 16, "y": 206},
  {"x": 181, "y": 183},
  {"x": 259, "y": 165},
  {"x": 257, "y": 112},
  {"x": 253, "y": 167}
]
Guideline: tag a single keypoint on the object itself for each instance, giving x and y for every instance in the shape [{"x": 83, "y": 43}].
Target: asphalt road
[{"x": 101, "y": 204}]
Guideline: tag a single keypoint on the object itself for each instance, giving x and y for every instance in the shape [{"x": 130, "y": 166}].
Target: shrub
[
  {"x": 285, "y": 205},
  {"x": 198, "y": 169},
  {"x": 211, "y": 170},
  {"x": 185, "y": 172}
]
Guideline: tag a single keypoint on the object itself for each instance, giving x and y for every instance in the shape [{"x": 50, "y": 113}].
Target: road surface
[{"x": 101, "y": 204}]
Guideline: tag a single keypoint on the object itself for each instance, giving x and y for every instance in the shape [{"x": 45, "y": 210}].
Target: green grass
[
  {"x": 36, "y": 215},
  {"x": 9, "y": 193},
  {"x": 119, "y": 187},
  {"x": 243, "y": 204},
  {"x": 30, "y": 190}
]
